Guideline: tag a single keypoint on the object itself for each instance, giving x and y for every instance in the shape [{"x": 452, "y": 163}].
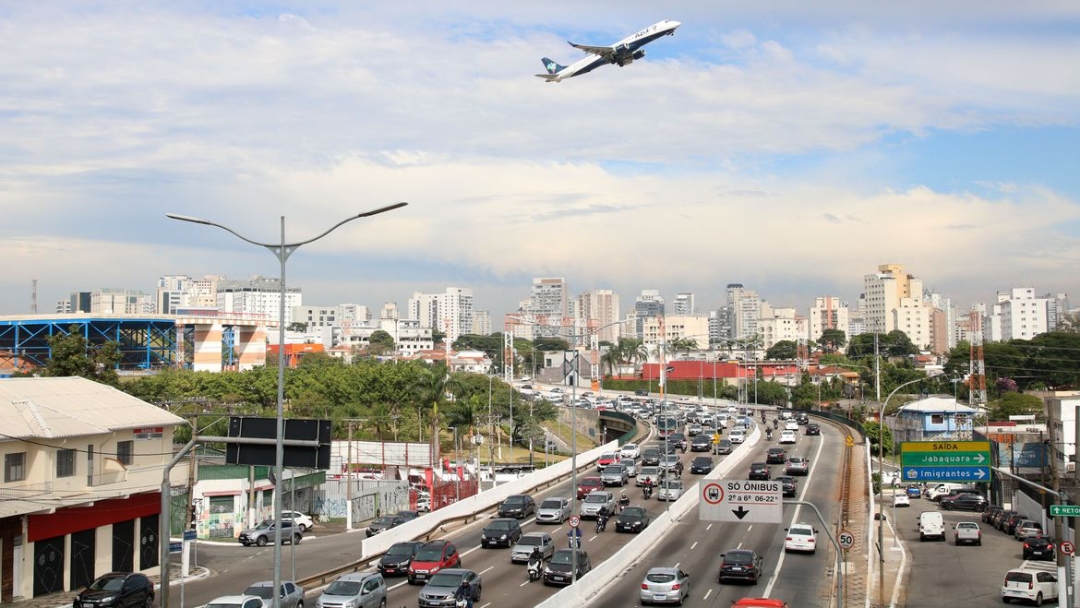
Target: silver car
[
  {"x": 631, "y": 466},
  {"x": 614, "y": 475},
  {"x": 665, "y": 585},
  {"x": 668, "y": 462},
  {"x": 528, "y": 542},
  {"x": 292, "y": 595},
  {"x": 354, "y": 590},
  {"x": 553, "y": 510},
  {"x": 652, "y": 473},
  {"x": 596, "y": 500},
  {"x": 670, "y": 489}
]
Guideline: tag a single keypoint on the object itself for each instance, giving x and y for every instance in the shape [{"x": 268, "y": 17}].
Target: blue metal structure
[{"x": 145, "y": 343}]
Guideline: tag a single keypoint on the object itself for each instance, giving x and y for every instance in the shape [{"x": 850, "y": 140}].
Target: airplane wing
[
  {"x": 549, "y": 77},
  {"x": 603, "y": 51}
]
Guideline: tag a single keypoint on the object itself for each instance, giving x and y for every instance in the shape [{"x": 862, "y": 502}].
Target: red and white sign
[
  {"x": 149, "y": 432},
  {"x": 574, "y": 521},
  {"x": 713, "y": 493},
  {"x": 1067, "y": 548}
]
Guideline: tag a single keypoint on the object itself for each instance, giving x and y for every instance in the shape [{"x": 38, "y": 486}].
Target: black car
[
  {"x": 990, "y": 512},
  {"x": 641, "y": 392},
  {"x": 813, "y": 429},
  {"x": 759, "y": 470},
  {"x": 701, "y": 465},
  {"x": 119, "y": 589},
  {"x": 965, "y": 502},
  {"x": 1039, "y": 546},
  {"x": 740, "y": 565},
  {"x": 677, "y": 440},
  {"x": 700, "y": 443},
  {"x": 650, "y": 456},
  {"x": 632, "y": 519},
  {"x": 776, "y": 456},
  {"x": 383, "y": 524},
  {"x": 787, "y": 485},
  {"x": 557, "y": 571},
  {"x": 503, "y": 532},
  {"x": 396, "y": 560},
  {"x": 408, "y": 514},
  {"x": 518, "y": 506},
  {"x": 802, "y": 419}
]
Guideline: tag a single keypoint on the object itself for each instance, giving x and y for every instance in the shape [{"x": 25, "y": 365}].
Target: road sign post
[
  {"x": 575, "y": 521},
  {"x": 845, "y": 539},
  {"x": 945, "y": 461},
  {"x": 1067, "y": 548},
  {"x": 747, "y": 501}
]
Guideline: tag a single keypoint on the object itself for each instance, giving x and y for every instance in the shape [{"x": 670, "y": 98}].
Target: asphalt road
[{"x": 695, "y": 546}]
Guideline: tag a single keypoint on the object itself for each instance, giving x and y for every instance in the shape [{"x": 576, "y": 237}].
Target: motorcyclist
[
  {"x": 624, "y": 500},
  {"x": 776, "y": 423},
  {"x": 768, "y": 434},
  {"x": 601, "y": 519},
  {"x": 575, "y": 538},
  {"x": 678, "y": 469},
  {"x": 464, "y": 593},
  {"x": 536, "y": 561},
  {"x": 648, "y": 488}
]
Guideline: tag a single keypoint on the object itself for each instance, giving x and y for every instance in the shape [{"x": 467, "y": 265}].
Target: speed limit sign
[
  {"x": 574, "y": 521},
  {"x": 846, "y": 540},
  {"x": 1067, "y": 548}
]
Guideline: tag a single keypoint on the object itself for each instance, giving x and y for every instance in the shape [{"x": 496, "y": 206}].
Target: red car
[
  {"x": 607, "y": 458},
  {"x": 588, "y": 484},
  {"x": 432, "y": 557}
]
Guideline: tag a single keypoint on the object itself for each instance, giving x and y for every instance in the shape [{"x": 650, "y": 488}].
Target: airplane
[{"x": 623, "y": 52}]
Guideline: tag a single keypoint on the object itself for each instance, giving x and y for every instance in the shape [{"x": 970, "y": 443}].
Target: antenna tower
[{"x": 977, "y": 383}]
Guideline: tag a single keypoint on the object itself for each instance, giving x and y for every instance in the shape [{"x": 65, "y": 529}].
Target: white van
[
  {"x": 931, "y": 525},
  {"x": 936, "y": 491}
]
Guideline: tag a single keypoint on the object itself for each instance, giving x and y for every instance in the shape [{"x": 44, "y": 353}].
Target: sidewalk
[
  {"x": 855, "y": 574},
  {"x": 885, "y": 583}
]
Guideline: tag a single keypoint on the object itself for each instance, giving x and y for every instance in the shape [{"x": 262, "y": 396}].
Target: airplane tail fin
[{"x": 552, "y": 67}]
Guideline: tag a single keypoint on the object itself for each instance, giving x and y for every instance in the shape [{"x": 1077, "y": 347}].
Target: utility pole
[{"x": 1064, "y": 571}]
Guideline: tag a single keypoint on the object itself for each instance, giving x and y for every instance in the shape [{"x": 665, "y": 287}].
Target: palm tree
[
  {"x": 431, "y": 388},
  {"x": 612, "y": 358},
  {"x": 686, "y": 344}
]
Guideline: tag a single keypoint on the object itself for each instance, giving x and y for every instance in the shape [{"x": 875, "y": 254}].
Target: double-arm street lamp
[{"x": 281, "y": 250}]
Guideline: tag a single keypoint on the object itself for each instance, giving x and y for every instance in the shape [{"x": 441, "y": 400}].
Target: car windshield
[
  {"x": 443, "y": 579},
  {"x": 515, "y": 501},
  {"x": 109, "y": 583},
  {"x": 633, "y": 512},
  {"x": 530, "y": 540},
  {"x": 385, "y": 520},
  {"x": 400, "y": 549},
  {"x": 263, "y": 591},
  {"x": 673, "y": 484},
  {"x": 217, "y": 605},
  {"x": 429, "y": 554},
  {"x": 738, "y": 557},
  {"x": 551, "y": 504},
  {"x": 617, "y": 470},
  {"x": 659, "y": 577},
  {"x": 561, "y": 557},
  {"x": 499, "y": 525},
  {"x": 596, "y": 498},
  {"x": 970, "y": 526},
  {"x": 266, "y": 525},
  {"x": 344, "y": 588}
]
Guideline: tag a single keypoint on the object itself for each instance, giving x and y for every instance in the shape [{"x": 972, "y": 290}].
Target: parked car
[
  {"x": 264, "y": 533},
  {"x": 775, "y": 456},
  {"x": 759, "y": 470},
  {"x": 383, "y": 524},
  {"x": 1002, "y": 521},
  {"x": 558, "y": 570},
  {"x": 797, "y": 465},
  {"x": 787, "y": 485},
  {"x": 740, "y": 565},
  {"x": 518, "y": 506},
  {"x": 292, "y": 595},
  {"x": 299, "y": 520},
  {"x": 967, "y": 532},
  {"x": 442, "y": 588},
  {"x": 614, "y": 475},
  {"x": 670, "y": 489},
  {"x": 591, "y": 484},
  {"x": 701, "y": 465},
  {"x": 554, "y": 510},
  {"x": 432, "y": 557},
  {"x": 801, "y": 537},
  {"x": 529, "y": 542},
  {"x": 231, "y": 601},
  {"x": 632, "y": 519},
  {"x": 1029, "y": 585},
  {"x": 502, "y": 532},
  {"x": 396, "y": 560},
  {"x": 665, "y": 586},
  {"x": 356, "y": 589},
  {"x": 1027, "y": 528},
  {"x": 1012, "y": 522},
  {"x": 990, "y": 512},
  {"x": 117, "y": 589},
  {"x": 1039, "y": 546}
]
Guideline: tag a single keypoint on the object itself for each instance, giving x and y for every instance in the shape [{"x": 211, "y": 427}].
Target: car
[
  {"x": 650, "y": 473},
  {"x": 432, "y": 557},
  {"x": 791, "y": 426},
  {"x": 1026, "y": 528},
  {"x": 665, "y": 586},
  {"x": 1029, "y": 585},
  {"x": 802, "y": 418},
  {"x": 292, "y": 595},
  {"x": 759, "y": 470},
  {"x": 670, "y": 489},
  {"x": 264, "y": 533},
  {"x": 423, "y": 504},
  {"x": 693, "y": 430},
  {"x": 813, "y": 429},
  {"x": 383, "y": 524},
  {"x": 740, "y": 565},
  {"x": 678, "y": 440},
  {"x": 119, "y": 589},
  {"x": 990, "y": 512},
  {"x": 701, "y": 465},
  {"x": 668, "y": 462},
  {"x": 965, "y": 502},
  {"x": 396, "y": 560},
  {"x": 607, "y": 458},
  {"x": 502, "y": 532},
  {"x": 590, "y": 507},
  {"x": 737, "y": 436},
  {"x": 558, "y": 570},
  {"x": 299, "y": 520},
  {"x": 632, "y": 519},
  {"x": 723, "y": 447},
  {"x": 797, "y": 465},
  {"x": 614, "y": 475},
  {"x": 967, "y": 532},
  {"x": 528, "y": 543},
  {"x": 901, "y": 500},
  {"x": 442, "y": 588},
  {"x": 1002, "y": 522},
  {"x": 801, "y": 537},
  {"x": 631, "y": 466},
  {"x": 641, "y": 392},
  {"x": 700, "y": 443},
  {"x": 913, "y": 492},
  {"x": 228, "y": 601},
  {"x": 630, "y": 450},
  {"x": 787, "y": 485},
  {"x": 409, "y": 514},
  {"x": 589, "y": 484},
  {"x": 1012, "y": 522},
  {"x": 1039, "y": 546},
  {"x": 788, "y": 437},
  {"x": 518, "y": 506},
  {"x": 554, "y": 510},
  {"x": 356, "y": 589},
  {"x": 650, "y": 456},
  {"x": 776, "y": 456}
]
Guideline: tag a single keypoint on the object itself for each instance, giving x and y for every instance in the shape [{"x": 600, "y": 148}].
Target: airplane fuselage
[{"x": 621, "y": 53}]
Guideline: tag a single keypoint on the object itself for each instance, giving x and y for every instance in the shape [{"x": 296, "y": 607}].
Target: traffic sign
[
  {"x": 716, "y": 438},
  {"x": 1067, "y": 548},
  {"x": 846, "y": 539},
  {"x": 745, "y": 501},
  {"x": 1064, "y": 510},
  {"x": 189, "y": 534},
  {"x": 849, "y": 441},
  {"x": 965, "y": 461},
  {"x": 175, "y": 546},
  {"x": 574, "y": 521}
]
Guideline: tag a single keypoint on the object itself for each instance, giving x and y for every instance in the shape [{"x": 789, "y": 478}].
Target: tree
[
  {"x": 431, "y": 387},
  {"x": 874, "y": 432},
  {"x": 784, "y": 349},
  {"x": 683, "y": 344},
  {"x": 1015, "y": 404},
  {"x": 298, "y": 326},
  {"x": 832, "y": 340},
  {"x": 897, "y": 344},
  {"x": 549, "y": 344},
  {"x": 380, "y": 342},
  {"x": 72, "y": 355}
]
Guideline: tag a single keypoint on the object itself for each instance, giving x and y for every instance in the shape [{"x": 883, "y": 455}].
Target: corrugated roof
[
  {"x": 71, "y": 407},
  {"x": 935, "y": 404}
]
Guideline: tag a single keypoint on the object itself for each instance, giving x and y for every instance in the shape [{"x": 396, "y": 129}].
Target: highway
[{"x": 695, "y": 546}]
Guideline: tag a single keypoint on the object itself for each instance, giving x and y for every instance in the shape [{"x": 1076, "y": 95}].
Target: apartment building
[
  {"x": 780, "y": 324},
  {"x": 599, "y": 308},
  {"x": 258, "y": 296},
  {"x": 80, "y": 495},
  {"x": 450, "y": 312},
  {"x": 1021, "y": 315},
  {"x": 882, "y": 292},
  {"x": 828, "y": 312}
]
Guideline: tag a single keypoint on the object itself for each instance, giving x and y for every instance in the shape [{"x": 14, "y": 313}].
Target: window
[
  {"x": 65, "y": 463},
  {"x": 15, "y": 467},
  {"x": 268, "y": 497},
  {"x": 125, "y": 451},
  {"x": 222, "y": 504},
  {"x": 937, "y": 418}
]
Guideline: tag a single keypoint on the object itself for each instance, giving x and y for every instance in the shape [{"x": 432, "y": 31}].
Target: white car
[
  {"x": 300, "y": 521},
  {"x": 787, "y": 437},
  {"x": 901, "y": 500},
  {"x": 737, "y": 436},
  {"x": 801, "y": 537},
  {"x": 1031, "y": 585},
  {"x": 630, "y": 450},
  {"x": 670, "y": 489},
  {"x": 791, "y": 426}
]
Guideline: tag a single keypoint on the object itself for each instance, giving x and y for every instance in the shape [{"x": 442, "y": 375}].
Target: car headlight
[{"x": 503, "y": 537}]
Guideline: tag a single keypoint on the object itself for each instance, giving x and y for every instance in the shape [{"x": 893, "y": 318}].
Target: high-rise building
[
  {"x": 683, "y": 305},
  {"x": 1021, "y": 315},
  {"x": 745, "y": 305},
  {"x": 63, "y": 306},
  {"x": 780, "y": 324},
  {"x": 913, "y": 318},
  {"x": 450, "y": 312},
  {"x": 828, "y": 312},
  {"x": 258, "y": 296},
  {"x": 79, "y": 301},
  {"x": 883, "y": 291},
  {"x": 647, "y": 305},
  {"x": 1057, "y": 304},
  {"x": 116, "y": 301},
  {"x": 598, "y": 309},
  {"x": 481, "y": 323}
]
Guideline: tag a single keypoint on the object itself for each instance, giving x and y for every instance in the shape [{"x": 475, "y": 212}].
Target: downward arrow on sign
[{"x": 740, "y": 512}]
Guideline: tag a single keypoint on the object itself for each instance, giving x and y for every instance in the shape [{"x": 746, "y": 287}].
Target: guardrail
[{"x": 588, "y": 587}]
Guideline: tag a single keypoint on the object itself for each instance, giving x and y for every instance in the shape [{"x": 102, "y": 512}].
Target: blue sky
[{"x": 789, "y": 147}]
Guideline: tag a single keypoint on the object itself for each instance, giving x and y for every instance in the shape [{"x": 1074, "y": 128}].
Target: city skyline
[{"x": 792, "y": 149}]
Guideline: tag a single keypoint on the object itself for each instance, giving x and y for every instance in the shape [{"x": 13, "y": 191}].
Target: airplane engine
[{"x": 639, "y": 54}]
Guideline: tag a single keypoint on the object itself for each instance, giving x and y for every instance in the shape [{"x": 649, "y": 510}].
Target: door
[
  {"x": 148, "y": 542},
  {"x": 49, "y": 566},
  {"x": 16, "y": 565},
  {"x": 82, "y": 558},
  {"x": 123, "y": 546}
]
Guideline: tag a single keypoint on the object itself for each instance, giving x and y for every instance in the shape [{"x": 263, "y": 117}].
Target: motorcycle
[
  {"x": 601, "y": 523},
  {"x": 534, "y": 568},
  {"x": 624, "y": 501},
  {"x": 768, "y": 434},
  {"x": 776, "y": 423},
  {"x": 646, "y": 492}
]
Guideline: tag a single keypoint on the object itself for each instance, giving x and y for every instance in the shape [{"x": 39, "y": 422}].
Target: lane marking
[
  {"x": 707, "y": 594},
  {"x": 404, "y": 582},
  {"x": 488, "y": 568},
  {"x": 471, "y": 550},
  {"x": 708, "y": 527},
  {"x": 693, "y": 545}
]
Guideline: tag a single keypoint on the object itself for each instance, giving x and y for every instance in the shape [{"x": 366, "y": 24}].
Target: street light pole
[{"x": 281, "y": 250}]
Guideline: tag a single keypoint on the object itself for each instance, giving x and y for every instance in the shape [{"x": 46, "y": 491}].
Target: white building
[
  {"x": 780, "y": 324},
  {"x": 912, "y": 318},
  {"x": 1021, "y": 315},
  {"x": 828, "y": 312},
  {"x": 114, "y": 301},
  {"x": 745, "y": 305},
  {"x": 450, "y": 312},
  {"x": 683, "y": 305},
  {"x": 258, "y": 296},
  {"x": 883, "y": 291},
  {"x": 694, "y": 327},
  {"x": 599, "y": 308}
]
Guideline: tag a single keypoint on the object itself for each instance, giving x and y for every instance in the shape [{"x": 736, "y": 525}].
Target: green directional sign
[
  {"x": 930, "y": 459},
  {"x": 1064, "y": 510},
  {"x": 950, "y": 461}
]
